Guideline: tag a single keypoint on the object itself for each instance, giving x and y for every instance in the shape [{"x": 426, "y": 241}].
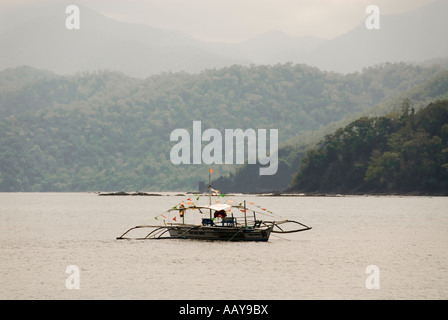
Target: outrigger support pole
[
  {"x": 276, "y": 224},
  {"x": 180, "y": 236},
  {"x": 239, "y": 230},
  {"x": 159, "y": 236},
  {"x": 161, "y": 229}
]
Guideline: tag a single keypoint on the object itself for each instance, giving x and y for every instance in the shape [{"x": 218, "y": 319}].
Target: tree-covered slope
[
  {"x": 399, "y": 153},
  {"x": 107, "y": 131},
  {"x": 292, "y": 151}
]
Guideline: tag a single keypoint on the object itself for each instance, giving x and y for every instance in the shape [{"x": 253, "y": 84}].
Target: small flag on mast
[{"x": 210, "y": 170}]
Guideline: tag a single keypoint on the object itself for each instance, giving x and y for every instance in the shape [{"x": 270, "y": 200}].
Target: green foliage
[
  {"x": 407, "y": 153},
  {"x": 107, "y": 131},
  {"x": 295, "y": 149}
]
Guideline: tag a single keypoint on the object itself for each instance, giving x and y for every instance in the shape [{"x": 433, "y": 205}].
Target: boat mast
[
  {"x": 209, "y": 191},
  {"x": 183, "y": 216},
  {"x": 245, "y": 216}
]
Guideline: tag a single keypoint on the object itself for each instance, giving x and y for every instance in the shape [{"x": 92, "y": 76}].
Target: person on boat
[
  {"x": 220, "y": 214},
  {"x": 181, "y": 212}
]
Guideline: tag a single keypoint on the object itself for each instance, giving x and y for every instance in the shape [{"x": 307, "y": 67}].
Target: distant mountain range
[
  {"x": 410, "y": 37},
  {"x": 39, "y": 38}
]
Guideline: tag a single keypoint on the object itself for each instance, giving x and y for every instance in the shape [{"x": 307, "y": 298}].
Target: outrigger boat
[{"x": 224, "y": 221}]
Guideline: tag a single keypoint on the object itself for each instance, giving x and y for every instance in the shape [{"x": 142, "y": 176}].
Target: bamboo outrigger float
[{"x": 225, "y": 221}]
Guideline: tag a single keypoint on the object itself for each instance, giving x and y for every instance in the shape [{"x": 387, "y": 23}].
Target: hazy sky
[{"x": 237, "y": 20}]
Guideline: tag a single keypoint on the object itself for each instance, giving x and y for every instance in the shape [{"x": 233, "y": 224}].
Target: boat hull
[{"x": 220, "y": 233}]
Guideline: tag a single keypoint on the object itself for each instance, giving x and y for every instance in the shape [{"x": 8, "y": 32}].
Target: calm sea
[{"x": 404, "y": 238}]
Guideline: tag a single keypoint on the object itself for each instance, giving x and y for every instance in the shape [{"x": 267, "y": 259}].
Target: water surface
[{"x": 43, "y": 233}]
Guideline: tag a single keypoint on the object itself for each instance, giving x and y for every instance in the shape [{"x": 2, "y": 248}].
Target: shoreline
[{"x": 277, "y": 194}]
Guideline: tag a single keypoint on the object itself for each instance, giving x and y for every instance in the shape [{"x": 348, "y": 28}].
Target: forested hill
[
  {"x": 398, "y": 153},
  {"x": 291, "y": 153},
  {"x": 107, "y": 131}
]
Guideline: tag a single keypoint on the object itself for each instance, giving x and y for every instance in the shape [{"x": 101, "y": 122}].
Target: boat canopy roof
[{"x": 218, "y": 206}]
